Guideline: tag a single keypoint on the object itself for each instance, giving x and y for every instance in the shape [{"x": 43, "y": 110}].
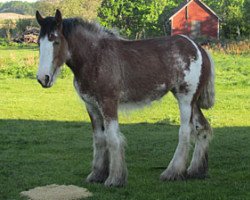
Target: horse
[{"x": 110, "y": 72}]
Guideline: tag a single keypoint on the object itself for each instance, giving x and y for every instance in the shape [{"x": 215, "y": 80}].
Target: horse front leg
[
  {"x": 115, "y": 142},
  {"x": 202, "y": 133},
  {"x": 176, "y": 170},
  {"x": 100, "y": 164}
]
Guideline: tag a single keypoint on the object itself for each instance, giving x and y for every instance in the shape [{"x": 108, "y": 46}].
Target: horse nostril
[
  {"x": 39, "y": 81},
  {"x": 46, "y": 79}
]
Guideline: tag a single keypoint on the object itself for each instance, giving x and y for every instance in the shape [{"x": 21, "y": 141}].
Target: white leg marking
[
  {"x": 199, "y": 163},
  {"x": 100, "y": 165},
  {"x": 200, "y": 149},
  {"x": 117, "y": 167},
  {"x": 99, "y": 148},
  {"x": 181, "y": 154},
  {"x": 177, "y": 166}
]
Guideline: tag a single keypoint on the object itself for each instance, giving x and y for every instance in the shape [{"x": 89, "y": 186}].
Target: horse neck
[{"x": 82, "y": 47}]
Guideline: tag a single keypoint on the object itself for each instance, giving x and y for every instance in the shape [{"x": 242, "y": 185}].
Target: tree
[
  {"x": 22, "y": 24},
  {"x": 232, "y": 15},
  {"x": 167, "y": 13},
  {"x": 69, "y": 8},
  {"x": 46, "y": 7},
  {"x": 233, "y": 19},
  {"x": 80, "y": 8},
  {"x": 134, "y": 18},
  {"x": 246, "y": 13},
  {"x": 8, "y": 27},
  {"x": 17, "y": 7}
]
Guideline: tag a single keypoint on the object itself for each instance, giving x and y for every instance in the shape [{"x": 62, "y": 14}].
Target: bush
[
  {"x": 21, "y": 61},
  {"x": 22, "y": 24},
  {"x": 7, "y": 29},
  {"x": 230, "y": 47},
  {"x": 3, "y": 41}
]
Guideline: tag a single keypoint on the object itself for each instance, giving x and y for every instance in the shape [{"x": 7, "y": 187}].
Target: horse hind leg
[
  {"x": 176, "y": 170},
  {"x": 202, "y": 133}
]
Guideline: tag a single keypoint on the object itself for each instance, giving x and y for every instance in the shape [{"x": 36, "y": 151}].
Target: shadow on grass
[{"x": 36, "y": 153}]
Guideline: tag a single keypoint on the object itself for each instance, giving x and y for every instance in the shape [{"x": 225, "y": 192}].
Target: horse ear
[
  {"x": 58, "y": 18},
  {"x": 39, "y": 18}
]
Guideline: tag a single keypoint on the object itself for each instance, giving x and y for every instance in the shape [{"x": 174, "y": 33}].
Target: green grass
[
  {"x": 21, "y": 61},
  {"x": 45, "y": 138}
]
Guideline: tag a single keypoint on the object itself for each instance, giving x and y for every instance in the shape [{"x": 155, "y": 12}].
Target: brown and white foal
[{"x": 110, "y": 71}]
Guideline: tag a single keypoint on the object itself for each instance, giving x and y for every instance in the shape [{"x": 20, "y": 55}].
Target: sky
[{"x": 3, "y": 1}]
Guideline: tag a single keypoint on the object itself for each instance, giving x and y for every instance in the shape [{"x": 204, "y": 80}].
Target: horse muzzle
[{"x": 45, "y": 81}]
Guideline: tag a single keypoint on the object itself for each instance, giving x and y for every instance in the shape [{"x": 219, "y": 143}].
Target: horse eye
[
  {"x": 52, "y": 37},
  {"x": 56, "y": 42}
]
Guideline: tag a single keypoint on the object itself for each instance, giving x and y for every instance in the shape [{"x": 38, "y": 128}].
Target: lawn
[{"x": 45, "y": 136}]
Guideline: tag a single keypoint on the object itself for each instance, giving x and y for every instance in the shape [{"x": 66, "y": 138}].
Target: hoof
[
  {"x": 96, "y": 177},
  {"x": 170, "y": 175},
  {"x": 196, "y": 175},
  {"x": 115, "y": 182},
  {"x": 200, "y": 170}
]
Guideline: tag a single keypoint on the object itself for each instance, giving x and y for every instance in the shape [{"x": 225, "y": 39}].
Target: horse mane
[{"x": 70, "y": 24}]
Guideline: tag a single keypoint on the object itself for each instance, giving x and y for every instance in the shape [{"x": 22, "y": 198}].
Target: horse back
[{"x": 150, "y": 68}]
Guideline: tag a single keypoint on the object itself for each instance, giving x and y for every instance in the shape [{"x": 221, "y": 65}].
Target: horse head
[{"x": 53, "y": 48}]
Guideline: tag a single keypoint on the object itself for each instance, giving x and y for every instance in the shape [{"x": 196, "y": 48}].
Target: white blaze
[{"x": 46, "y": 58}]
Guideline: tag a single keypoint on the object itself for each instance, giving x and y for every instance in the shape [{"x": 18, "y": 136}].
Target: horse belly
[{"x": 131, "y": 100}]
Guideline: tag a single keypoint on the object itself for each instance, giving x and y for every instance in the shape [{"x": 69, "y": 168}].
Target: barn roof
[{"x": 186, "y": 3}]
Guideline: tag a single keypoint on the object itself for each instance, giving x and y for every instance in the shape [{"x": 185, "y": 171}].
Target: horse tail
[{"x": 207, "y": 97}]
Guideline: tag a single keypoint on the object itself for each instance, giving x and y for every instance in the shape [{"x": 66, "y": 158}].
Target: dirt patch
[
  {"x": 14, "y": 16},
  {"x": 56, "y": 192}
]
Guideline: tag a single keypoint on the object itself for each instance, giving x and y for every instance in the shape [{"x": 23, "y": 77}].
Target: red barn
[{"x": 194, "y": 18}]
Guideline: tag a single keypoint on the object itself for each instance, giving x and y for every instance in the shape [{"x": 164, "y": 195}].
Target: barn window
[{"x": 186, "y": 12}]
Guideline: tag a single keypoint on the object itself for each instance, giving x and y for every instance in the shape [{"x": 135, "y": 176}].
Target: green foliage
[
  {"x": 6, "y": 45},
  {"x": 22, "y": 24},
  {"x": 135, "y": 19},
  {"x": 233, "y": 16},
  {"x": 69, "y": 8},
  {"x": 234, "y": 19},
  {"x": 19, "y": 7},
  {"x": 21, "y": 61},
  {"x": 82, "y": 8},
  {"x": 46, "y": 8},
  {"x": 7, "y": 29},
  {"x": 18, "y": 63},
  {"x": 246, "y": 14},
  {"x": 3, "y": 42}
]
